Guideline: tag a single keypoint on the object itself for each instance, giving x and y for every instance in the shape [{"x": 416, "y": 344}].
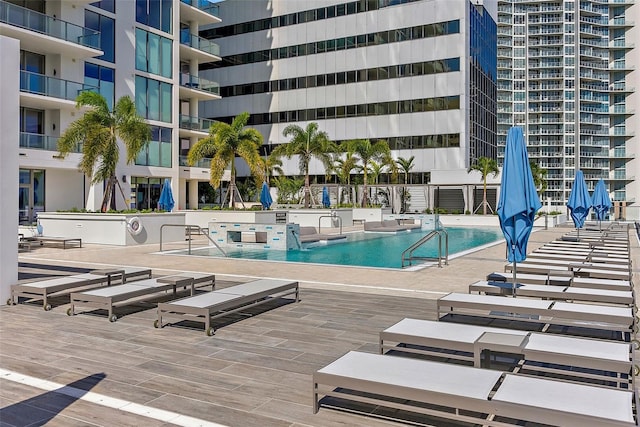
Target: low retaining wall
[{"x": 111, "y": 229}]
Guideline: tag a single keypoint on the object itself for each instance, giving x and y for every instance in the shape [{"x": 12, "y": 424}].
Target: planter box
[{"x": 111, "y": 229}]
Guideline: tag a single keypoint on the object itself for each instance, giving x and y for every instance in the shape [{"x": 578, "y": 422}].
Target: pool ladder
[
  {"x": 442, "y": 235},
  {"x": 189, "y": 231}
]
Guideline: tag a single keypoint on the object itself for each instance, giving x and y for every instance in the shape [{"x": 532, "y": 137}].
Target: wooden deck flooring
[{"x": 255, "y": 371}]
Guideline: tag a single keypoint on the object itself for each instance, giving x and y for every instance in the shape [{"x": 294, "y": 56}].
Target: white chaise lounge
[
  {"x": 468, "y": 394},
  {"x": 587, "y": 317},
  {"x": 212, "y": 305},
  {"x": 610, "y": 362},
  {"x": 44, "y": 289},
  {"x": 109, "y": 297},
  {"x": 558, "y": 293}
]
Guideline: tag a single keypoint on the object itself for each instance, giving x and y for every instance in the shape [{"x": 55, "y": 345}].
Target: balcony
[
  {"x": 194, "y": 126},
  {"x": 41, "y": 33},
  {"x": 198, "y": 88},
  {"x": 194, "y": 47},
  {"x": 40, "y": 91},
  {"x": 203, "y": 163},
  {"x": 200, "y": 11},
  {"x": 35, "y": 141}
]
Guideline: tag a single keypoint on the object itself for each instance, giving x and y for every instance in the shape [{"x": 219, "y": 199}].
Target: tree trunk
[
  {"x": 106, "y": 198},
  {"x": 484, "y": 197},
  {"x": 364, "y": 188},
  {"x": 307, "y": 190}
]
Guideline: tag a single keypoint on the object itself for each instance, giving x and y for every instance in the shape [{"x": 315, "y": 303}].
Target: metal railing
[
  {"x": 442, "y": 235},
  {"x": 204, "y": 5},
  {"x": 189, "y": 229},
  {"x": 197, "y": 42},
  {"x": 333, "y": 216},
  {"x": 39, "y": 22},
  {"x": 50, "y": 86},
  {"x": 194, "y": 82}
]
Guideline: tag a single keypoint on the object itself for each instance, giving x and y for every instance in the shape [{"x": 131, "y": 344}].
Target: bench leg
[
  {"x": 315, "y": 398},
  {"x": 158, "y": 322}
]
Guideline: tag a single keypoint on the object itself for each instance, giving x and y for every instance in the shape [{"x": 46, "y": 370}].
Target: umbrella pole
[{"x": 513, "y": 280}]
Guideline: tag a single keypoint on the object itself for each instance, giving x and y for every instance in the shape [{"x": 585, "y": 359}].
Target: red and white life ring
[{"x": 134, "y": 226}]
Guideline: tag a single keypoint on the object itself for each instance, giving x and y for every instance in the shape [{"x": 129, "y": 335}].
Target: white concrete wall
[
  {"x": 64, "y": 189},
  {"x": 111, "y": 229},
  {"x": 9, "y": 123}
]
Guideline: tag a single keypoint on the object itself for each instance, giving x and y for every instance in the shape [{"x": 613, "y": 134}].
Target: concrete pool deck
[{"x": 255, "y": 371}]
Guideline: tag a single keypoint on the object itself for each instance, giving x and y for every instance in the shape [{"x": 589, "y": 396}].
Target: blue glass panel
[
  {"x": 154, "y": 14},
  {"x": 141, "y": 96},
  {"x": 141, "y": 11},
  {"x": 141, "y": 50},
  {"x": 166, "y": 102},
  {"x": 167, "y": 8},
  {"x": 91, "y": 71},
  {"x": 107, "y": 38}
]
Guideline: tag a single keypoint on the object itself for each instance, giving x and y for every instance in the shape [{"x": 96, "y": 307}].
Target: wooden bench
[{"x": 219, "y": 303}]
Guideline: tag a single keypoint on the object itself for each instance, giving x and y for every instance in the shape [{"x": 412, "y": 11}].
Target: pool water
[{"x": 368, "y": 249}]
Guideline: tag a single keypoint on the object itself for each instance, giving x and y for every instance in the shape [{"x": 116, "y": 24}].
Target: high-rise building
[
  {"x": 148, "y": 50},
  {"x": 566, "y": 74},
  {"x": 419, "y": 74}
]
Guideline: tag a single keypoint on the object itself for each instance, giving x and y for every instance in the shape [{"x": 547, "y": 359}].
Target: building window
[
  {"x": 158, "y": 152},
  {"x": 155, "y": 13},
  {"x": 103, "y": 78},
  {"x": 145, "y": 192},
  {"x": 153, "y": 53},
  {"x": 106, "y": 26},
  {"x": 153, "y": 99}
]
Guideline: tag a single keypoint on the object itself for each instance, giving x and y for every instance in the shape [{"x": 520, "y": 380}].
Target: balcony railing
[
  {"x": 203, "y": 163},
  {"x": 199, "y": 43},
  {"x": 195, "y": 123},
  {"x": 51, "y": 86},
  {"x": 204, "y": 5},
  {"x": 36, "y": 141},
  {"x": 194, "y": 82},
  {"x": 35, "y": 21}
]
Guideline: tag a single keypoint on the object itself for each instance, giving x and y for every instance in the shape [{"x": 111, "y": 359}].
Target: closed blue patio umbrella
[
  {"x": 265, "y": 196},
  {"x": 579, "y": 201},
  {"x": 600, "y": 201},
  {"x": 519, "y": 200},
  {"x": 326, "y": 200},
  {"x": 166, "y": 201}
]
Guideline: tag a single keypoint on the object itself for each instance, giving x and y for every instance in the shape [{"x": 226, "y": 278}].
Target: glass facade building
[{"x": 563, "y": 75}]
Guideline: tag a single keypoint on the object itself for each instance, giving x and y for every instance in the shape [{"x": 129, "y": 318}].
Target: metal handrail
[
  {"x": 189, "y": 228},
  {"x": 407, "y": 254},
  {"x": 333, "y": 216}
]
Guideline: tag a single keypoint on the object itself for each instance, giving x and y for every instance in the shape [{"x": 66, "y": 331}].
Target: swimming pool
[{"x": 368, "y": 249}]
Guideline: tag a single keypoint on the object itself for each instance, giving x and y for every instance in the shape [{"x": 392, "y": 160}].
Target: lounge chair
[
  {"x": 57, "y": 240},
  {"x": 562, "y": 278},
  {"x": 600, "y": 265},
  {"x": 134, "y": 292},
  {"x": 608, "y": 362},
  {"x": 386, "y": 226},
  {"x": 591, "y": 319},
  {"x": 44, "y": 289},
  {"x": 576, "y": 257},
  {"x": 222, "y": 302},
  {"x": 310, "y": 235},
  {"x": 472, "y": 395},
  {"x": 578, "y": 269},
  {"x": 557, "y": 293}
]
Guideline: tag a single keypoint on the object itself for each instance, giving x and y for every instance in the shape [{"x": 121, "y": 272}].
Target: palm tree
[
  {"x": 376, "y": 169},
  {"x": 343, "y": 167},
  {"x": 97, "y": 131},
  {"x": 367, "y": 152},
  {"x": 306, "y": 143},
  {"x": 270, "y": 165},
  {"x": 539, "y": 177},
  {"x": 485, "y": 166},
  {"x": 406, "y": 165},
  {"x": 224, "y": 143}
]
